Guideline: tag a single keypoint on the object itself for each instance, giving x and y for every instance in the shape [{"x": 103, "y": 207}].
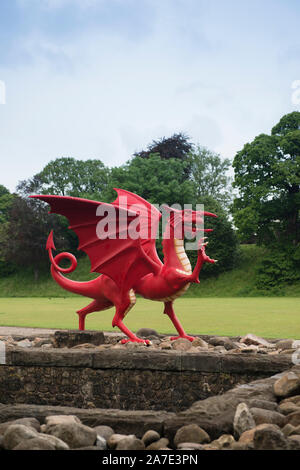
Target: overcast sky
[{"x": 103, "y": 78}]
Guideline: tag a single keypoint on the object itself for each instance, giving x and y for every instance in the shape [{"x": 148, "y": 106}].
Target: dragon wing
[
  {"x": 113, "y": 253},
  {"x": 149, "y": 217}
]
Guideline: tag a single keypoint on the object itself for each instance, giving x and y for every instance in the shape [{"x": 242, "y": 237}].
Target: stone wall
[{"x": 127, "y": 379}]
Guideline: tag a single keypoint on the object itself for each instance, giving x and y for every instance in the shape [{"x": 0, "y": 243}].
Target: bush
[{"x": 278, "y": 267}]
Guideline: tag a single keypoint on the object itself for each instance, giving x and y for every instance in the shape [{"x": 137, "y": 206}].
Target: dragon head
[{"x": 187, "y": 222}]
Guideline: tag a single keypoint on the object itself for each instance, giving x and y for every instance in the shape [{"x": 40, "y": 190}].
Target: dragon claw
[
  {"x": 190, "y": 338},
  {"x": 147, "y": 342}
]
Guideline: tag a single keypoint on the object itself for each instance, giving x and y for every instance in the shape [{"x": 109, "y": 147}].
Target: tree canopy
[{"x": 267, "y": 175}]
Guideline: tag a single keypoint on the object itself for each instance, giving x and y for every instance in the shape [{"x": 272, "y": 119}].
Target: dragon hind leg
[
  {"x": 95, "y": 306},
  {"x": 171, "y": 314},
  {"x": 121, "y": 311}
]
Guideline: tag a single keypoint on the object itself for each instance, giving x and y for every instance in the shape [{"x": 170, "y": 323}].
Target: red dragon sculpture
[{"x": 128, "y": 266}]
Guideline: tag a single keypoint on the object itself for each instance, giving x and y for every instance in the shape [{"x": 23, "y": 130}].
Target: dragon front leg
[
  {"x": 202, "y": 258},
  {"x": 171, "y": 314}
]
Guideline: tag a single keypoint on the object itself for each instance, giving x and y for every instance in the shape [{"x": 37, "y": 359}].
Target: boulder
[
  {"x": 294, "y": 442},
  {"x": 159, "y": 445},
  {"x": 191, "y": 433},
  {"x": 199, "y": 342},
  {"x": 284, "y": 344},
  {"x": 294, "y": 418},
  {"x": 61, "y": 419},
  {"x": 150, "y": 436},
  {"x": 73, "y": 433},
  {"x": 35, "y": 443},
  {"x": 17, "y": 433},
  {"x": 222, "y": 341},
  {"x": 29, "y": 422},
  {"x": 114, "y": 440},
  {"x": 288, "y": 408},
  {"x": 265, "y": 404},
  {"x": 225, "y": 441},
  {"x": 267, "y": 416},
  {"x": 269, "y": 437},
  {"x": 104, "y": 431},
  {"x": 288, "y": 384},
  {"x": 182, "y": 344},
  {"x": 288, "y": 429},
  {"x": 130, "y": 443},
  {"x": 243, "y": 419},
  {"x": 189, "y": 446},
  {"x": 256, "y": 341},
  {"x": 146, "y": 333}
]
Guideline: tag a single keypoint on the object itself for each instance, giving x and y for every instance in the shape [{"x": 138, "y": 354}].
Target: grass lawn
[{"x": 273, "y": 317}]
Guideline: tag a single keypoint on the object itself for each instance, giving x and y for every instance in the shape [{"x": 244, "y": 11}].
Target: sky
[{"x": 104, "y": 78}]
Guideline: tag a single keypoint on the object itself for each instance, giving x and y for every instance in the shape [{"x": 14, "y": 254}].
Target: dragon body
[{"x": 128, "y": 266}]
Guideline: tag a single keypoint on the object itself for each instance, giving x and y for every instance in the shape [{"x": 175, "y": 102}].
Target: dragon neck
[{"x": 174, "y": 253}]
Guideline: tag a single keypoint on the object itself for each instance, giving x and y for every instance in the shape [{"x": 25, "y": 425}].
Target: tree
[
  {"x": 267, "y": 175},
  {"x": 69, "y": 177},
  {"x": 155, "y": 179},
  {"x": 210, "y": 174},
  {"x": 5, "y": 202},
  {"x": 24, "y": 239},
  {"x": 176, "y": 146}
]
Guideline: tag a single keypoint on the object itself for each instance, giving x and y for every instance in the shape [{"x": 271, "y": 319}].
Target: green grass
[
  {"x": 268, "y": 317},
  {"x": 239, "y": 282}
]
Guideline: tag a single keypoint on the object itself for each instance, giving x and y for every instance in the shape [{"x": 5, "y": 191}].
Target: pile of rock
[{"x": 74, "y": 339}]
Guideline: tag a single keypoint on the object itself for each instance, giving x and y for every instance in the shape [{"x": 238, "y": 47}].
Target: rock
[
  {"x": 100, "y": 443},
  {"x": 286, "y": 385},
  {"x": 17, "y": 433},
  {"x": 88, "y": 448},
  {"x": 199, "y": 342},
  {"x": 38, "y": 342},
  {"x": 191, "y": 433},
  {"x": 222, "y": 341},
  {"x": 294, "y": 418},
  {"x": 295, "y": 399},
  {"x": 73, "y": 433},
  {"x": 256, "y": 340},
  {"x": 182, "y": 344},
  {"x": 25, "y": 343},
  {"x": 146, "y": 332},
  {"x": 114, "y": 440},
  {"x": 29, "y": 422},
  {"x": 149, "y": 437},
  {"x": 294, "y": 430},
  {"x": 166, "y": 345},
  {"x": 267, "y": 416},
  {"x": 225, "y": 441},
  {"x": 288, "y": 429},
  {"x": 35, "y": 443},
  {"x": 243, "y": 419},
  {"x": 70, "y": 338},
  {"x": 189, "y": 446},
  {"x": 287, "y": 408},
  {"x": 247, "y": 436},
  {"x": 84, "y": 346},
  {"x": 220, "y": 349},
  {"x": 294, "y": 442},
  {"x": 269, "y": 437},
  {"x": 61, "y": 419},
  {"x": 158, "y": 445},
  {"x": 47, "y": 346},
  {"x": 250, "y": 349},
  {"x": 130, "y": 443},
  {"x": 265, "y": 404},
  {"x": 104, "y": 431},
  {"x": 284, "y": 344}
]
